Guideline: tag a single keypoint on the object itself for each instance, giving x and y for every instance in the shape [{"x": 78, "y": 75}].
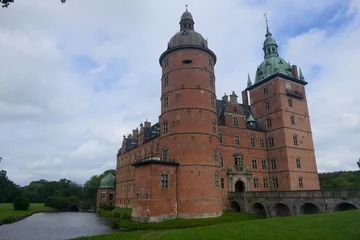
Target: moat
[{"x": 65, "y": 225}]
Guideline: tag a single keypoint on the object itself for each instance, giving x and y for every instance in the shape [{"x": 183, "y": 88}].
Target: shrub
[
  {"x": 21, "y": 203},
  {"x": 116, "y": 215},
  {"x": 72, "y": 199},
  {"x": 58, "y": 203},
  {"x": 125, "y": 216},
  {"x": 9, "y": 220},
  {"x": 106, "y": 207},
  {"x": 115, "y": 224}
]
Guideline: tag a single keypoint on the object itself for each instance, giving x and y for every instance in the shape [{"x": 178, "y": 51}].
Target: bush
[
  {"x": 9, "y": 220},
  {"x": 115, "y": 224},
  {"x": 106, "y": 207},
  {"x": 125, "y": 216},
  {"x": 21, "y": 203},
  {"x": 72, "y": 199},
  {"x": 58, "y": 203},
  {"x": 116, "y": 215}
]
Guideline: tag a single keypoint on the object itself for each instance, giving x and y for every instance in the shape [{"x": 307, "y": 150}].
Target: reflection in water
[{"x": 48, "y": 226}]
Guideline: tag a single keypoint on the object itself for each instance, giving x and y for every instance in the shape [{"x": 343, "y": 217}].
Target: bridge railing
[{"x": 343, "y": 193}]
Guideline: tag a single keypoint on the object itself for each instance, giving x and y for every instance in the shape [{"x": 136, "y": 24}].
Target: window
[
  {"x": 222, "y": 182},
  {"x": 166, "y": 101},
  {"x": 103, "y": 196},
  {"x": 211, "y": 80},
  {"x": 268, "y": 122},
  {"x": 292, "y": 119},
  {"x": 267, "y": 105},
  {"x": 221, "y": 161},
  {"x": 271, "y": 142},
  {"x": 295, "y": 140},
  {"x": 239, "y": 162},
  {"x": 290, "y": 102},
  {"x": 301, "y": 184},
  {"x": 215, "y": 154},
  {"x": 288, "y": 85},
  {"x": 254, "y": 163},
  {"x": 212, "y": 101},
  {"x": 111, "y": 196},
  {"x": 234, "y": 109},
  {"x": 263, "y": 164},
  {"x": 164, "y": 180},
  {"x": 252, "y": 141},
  {"x": 273, "y": 164},
  {"x": 220, "y": 138},
  {"x": 165, "y": 154},
  {"x": 214, "y": 126},
  {"x": 166, "y": 80},
  {"x": 216, "y": 180},
  {"x": 237, "y": 139},
  {"x": 256, "y": 182},
  {"x": 266, "y": 91},
  {"x": 266, "y": 184},
  {"x": 235, "y": 121},
  {"x": 262, "y": 143},
  {"x": 298, "y": 162},
  {"x": 210, "y": 62},
  {"x": 157, "y": 147},
  {"x": 166, "y": 63},
  {"x": 275, "y": 182},
  {"x": 166, "y": 127}
]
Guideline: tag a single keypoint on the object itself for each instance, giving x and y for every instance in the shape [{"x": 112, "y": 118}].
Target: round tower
[{"x": 188, "y": 121}]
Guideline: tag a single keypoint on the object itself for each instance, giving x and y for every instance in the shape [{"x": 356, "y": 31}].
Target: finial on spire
[
  {"x": 267, "y": 25},
  {"x": 186, "y": 7}
]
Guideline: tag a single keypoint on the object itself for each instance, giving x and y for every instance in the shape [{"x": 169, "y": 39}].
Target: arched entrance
[
  {"x": 259, "y": 209},
  {"x": 345, "y": 207},
  {"x": 235, "y": 206},
  {"x": 74, "y": 208},
  {"x": 239, "y": 186},
  {"x": 309, "y": 208},
  {"x": 281, "y": 210}
]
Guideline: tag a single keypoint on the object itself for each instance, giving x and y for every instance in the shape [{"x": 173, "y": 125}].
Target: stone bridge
[
  {"x": 83, "y": 206},
  {"x": 292, "y": 203}
]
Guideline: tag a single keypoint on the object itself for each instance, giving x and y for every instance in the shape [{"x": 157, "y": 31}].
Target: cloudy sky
[{"x": 75, "y": 77}]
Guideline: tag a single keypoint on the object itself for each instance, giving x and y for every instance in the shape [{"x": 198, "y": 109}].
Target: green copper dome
[
  {"x": 272, "y": 62},
  {"x": 108, "y": 181}
]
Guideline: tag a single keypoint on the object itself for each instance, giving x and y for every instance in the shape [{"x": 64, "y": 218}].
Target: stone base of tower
[{"x": 154, "y": 210}]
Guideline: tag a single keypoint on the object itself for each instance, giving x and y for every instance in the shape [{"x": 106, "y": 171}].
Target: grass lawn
[
  {"x": 7, "y": 209},
  {"x": 332, "y": 226}
]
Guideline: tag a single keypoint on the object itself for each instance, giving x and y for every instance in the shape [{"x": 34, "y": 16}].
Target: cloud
[{"x": 77, "y": 76}]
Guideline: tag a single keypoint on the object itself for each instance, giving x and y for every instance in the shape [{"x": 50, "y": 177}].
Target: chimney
[
  {"x": 147, "y": 124},
  {"x": 295, "y": 71},
  {"x": 233, "y": 98},
  {"x": 245, "y": 99},
  {"x": 225, "y": 98},
  {"x": 129, "y": 136},
  {"x": 135, "y": 132}
]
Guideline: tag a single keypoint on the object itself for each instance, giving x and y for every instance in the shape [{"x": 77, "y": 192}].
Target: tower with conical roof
[
  {"x": 188, "y": 168},
  {"x": 278, "y": 102},
  {"x": 106, "y": 190}
]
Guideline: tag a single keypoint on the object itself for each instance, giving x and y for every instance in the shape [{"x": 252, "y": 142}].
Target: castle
[{"x": 202, "y": 148}]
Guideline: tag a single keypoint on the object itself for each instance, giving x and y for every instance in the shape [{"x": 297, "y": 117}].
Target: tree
[
  {"x": 358, "y": 163},
  {"x": 6, "y": 3}
]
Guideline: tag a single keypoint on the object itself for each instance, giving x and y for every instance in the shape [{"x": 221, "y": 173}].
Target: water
[{"x": 49, "y": 226}]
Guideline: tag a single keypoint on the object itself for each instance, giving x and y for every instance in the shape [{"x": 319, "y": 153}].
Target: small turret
[{"x": 249, "y": 83}]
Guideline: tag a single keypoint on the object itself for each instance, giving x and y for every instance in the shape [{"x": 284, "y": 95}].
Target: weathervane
[
  {"x": 186, "y": 6},
  {"x": 266, "y": 20}
]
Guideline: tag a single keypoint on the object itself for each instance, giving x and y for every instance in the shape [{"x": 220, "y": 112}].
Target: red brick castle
[{"x": 202, "y": 148}]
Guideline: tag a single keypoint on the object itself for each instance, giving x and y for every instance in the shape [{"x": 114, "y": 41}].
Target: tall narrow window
[
  {"x": 262, "y": 143},
  {"x": 290, "y": 102},
  {"x": 214, "y": 126},
  {"x": 298, "y": 162},
  {"x": 237, "y": 139},
  {"x": 295, "y": 138},
  {"x": 210, "y": 62},
  {"x": 166, "y": 101},
  {"x": 265, "y": 182},
  {"x": 268, "y": 122},
  {"x": 216, "y": 180},
  {"x": 166, "y": 63},
  {"x": 271, "y": 142},
  {"x": 221, "y": 161},
  {"x": 222, "y": 182},
  {"x": 212, "y": 80},
  {"x": 166, "y": 127},
  {"x": 212, "y": 101},
  {"x": 166, "y": 80},
  {"x": 220, "y": 138},
  {"x": 239, "y": 162},
  {"x": 165, "y": 154},
  {"x": 267, "y": 105},
  {"x": 164, "y": 180},
  {"x": 301, "y": 184},
  {"x": 292, "y": 119},
  {"x": 215, "y": 154},
  {"x": 252, "y": 142},
  {"x": 103, "y": 196},
  {"x": 273, "y": 164},
  {"x": 254, "y": 163},
  {"x": 266, "y": 91},
  {"x": 235, "y": 121},
  {"x": 263, "y": 164},
  {"x": 157, "y": 147},
  {"x": 256, "y": 182},
  {"x": 275, "y": 182}
]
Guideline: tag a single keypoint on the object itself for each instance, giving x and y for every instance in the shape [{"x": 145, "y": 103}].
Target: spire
[
  {"x": 186, "y": 21},
  {"x": 301, "y": 75},
  {"x": 249, "y": 83},
  {"x": 270, "y": 46},
  {"x": 268, "y": 33}
]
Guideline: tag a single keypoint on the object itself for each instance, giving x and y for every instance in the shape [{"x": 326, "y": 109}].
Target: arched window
[
  {"x": 265, "y": 182},
  {"x": 298, "y": 162},
  {"x": 295, "y": 138},
  {"x": 216, "y": 180},
  {"x": 220, "y": 137},
  {"x": 166, "y": 101},
  {"x": 301, "y": 183},
  {"x": 214, "y": 126},
  {"x": 215, "y": 154},
  {"x": 275, "y": 182},
  {"x": 221, "y": 161},
  {"x": 263, "y": 164},
  {"x": 164, "y": 178},
  {"x": 252, "y": 141},
  {"x": 239, "y": 162},
  {"x": 165, "y": 154},
  {"x": 237, "y": 139},
  {"x": 166, "y": 127},
  {"x": 256, "y": 182}
]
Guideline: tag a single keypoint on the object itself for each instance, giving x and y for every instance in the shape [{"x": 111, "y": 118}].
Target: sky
[{"x": 76, "y": 77}]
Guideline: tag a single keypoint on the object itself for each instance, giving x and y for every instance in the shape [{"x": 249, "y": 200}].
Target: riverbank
[
  {"x": 334, "y": 226},
  {"x": 9, "y": 215}
]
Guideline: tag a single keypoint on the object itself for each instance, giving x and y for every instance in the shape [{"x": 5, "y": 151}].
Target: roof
[
  {"x": 108, "y": 181},
  {"x": 149, "y": 134}
]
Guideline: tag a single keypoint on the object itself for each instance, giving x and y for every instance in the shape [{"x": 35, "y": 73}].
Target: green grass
[
  {"x": 332, "y": 226},
  {"x": 7, "y": 210}
]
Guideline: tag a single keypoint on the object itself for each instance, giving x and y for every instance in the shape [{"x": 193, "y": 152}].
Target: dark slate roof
[
  {"x": 149, "y": 134},
  {"x": 152, "y": 132}
]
